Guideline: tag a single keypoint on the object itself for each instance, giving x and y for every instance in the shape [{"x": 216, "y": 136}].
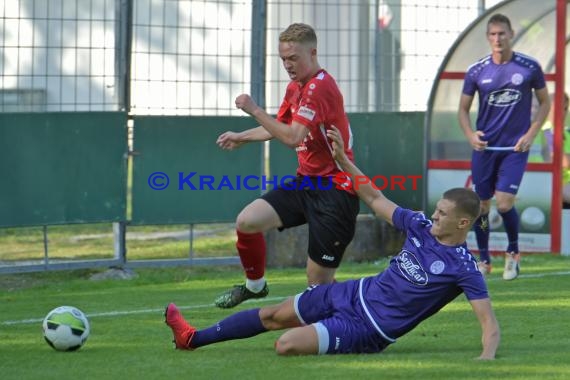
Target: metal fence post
[
  {"x": 258, "y": 64},
  {"x": 119, "y": 242},
  {"x": 258, "y": 41}
]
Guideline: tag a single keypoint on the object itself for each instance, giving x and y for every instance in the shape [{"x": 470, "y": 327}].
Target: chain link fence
[
  {"x": 182, "y": 57},
  {"x": 192, "y": 58}
]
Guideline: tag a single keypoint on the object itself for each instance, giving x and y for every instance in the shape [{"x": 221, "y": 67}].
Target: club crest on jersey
[
  {"x": 437, "y": 267},
  {"x": 411, "y": 268},
  {"x": 517, "y": 79},
  {"x": 504, "y": 98},
  {"x": 307, "y": 113}
]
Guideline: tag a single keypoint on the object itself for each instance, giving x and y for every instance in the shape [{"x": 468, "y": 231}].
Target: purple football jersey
[
  {"x": 420, "y": 280},
  {"x": 505, "y": 96}
]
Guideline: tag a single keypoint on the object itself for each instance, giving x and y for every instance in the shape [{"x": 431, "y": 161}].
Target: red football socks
[{"x": 251, "y": 249}]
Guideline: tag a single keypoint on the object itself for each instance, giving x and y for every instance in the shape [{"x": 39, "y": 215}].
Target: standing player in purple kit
[
  {"x": 366, "y": 315},
  {"x": 504, "y": 80}
]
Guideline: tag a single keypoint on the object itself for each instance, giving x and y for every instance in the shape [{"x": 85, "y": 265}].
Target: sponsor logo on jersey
[
  {"x": 307, "y": 113},
  {"x": 504, "y": 98},
  {"x": 437, "y": 267},
  {"x": 411, "y": 268}
]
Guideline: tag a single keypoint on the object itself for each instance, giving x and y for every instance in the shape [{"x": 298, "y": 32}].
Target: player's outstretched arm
[
  {"x": 232, "y": 140},
  {"x": 375, "y": 199},
  {"x": 491, "y": 334}
]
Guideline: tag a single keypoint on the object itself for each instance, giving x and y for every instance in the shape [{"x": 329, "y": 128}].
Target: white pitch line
[
  {"x": 536, "y": 275},
  {"x": 140, "y": 311},
  {"x": 148, "y": 311}
]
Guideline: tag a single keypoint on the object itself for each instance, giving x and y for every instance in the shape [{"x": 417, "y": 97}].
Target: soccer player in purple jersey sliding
[
  {"x": 433, "y": 267},
  {"x": 504, "y": 81}
]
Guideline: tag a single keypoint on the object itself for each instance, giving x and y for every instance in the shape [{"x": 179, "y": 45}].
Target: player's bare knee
[
  {"x": 268, "y": 317},
  {"x": 485, "y": 207},
  {"x": 284, "y": 347},
  {"x": 502, "y": 208},
  {"x": 319, "y": 280},
  {"x": 244, "y": 223},
  {"x": 317, "y": 275}
]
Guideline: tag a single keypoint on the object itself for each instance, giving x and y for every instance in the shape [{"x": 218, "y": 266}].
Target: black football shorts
[{"x": 330, "y": 213}]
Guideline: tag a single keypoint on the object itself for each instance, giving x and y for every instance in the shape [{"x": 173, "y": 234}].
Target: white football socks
[{"x": 255, "y": 286}]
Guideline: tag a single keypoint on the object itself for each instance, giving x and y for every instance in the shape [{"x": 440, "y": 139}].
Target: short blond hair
[{"x": 301, "y": 33}]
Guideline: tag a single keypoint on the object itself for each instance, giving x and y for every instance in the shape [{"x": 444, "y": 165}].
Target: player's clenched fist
[{"x": 245, "y": 103}]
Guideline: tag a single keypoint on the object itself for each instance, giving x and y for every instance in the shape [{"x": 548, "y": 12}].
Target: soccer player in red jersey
[{"x": 312, "y": 104}]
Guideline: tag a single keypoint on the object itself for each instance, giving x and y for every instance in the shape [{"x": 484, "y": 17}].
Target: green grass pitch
[{"x": 130, "y": 340}]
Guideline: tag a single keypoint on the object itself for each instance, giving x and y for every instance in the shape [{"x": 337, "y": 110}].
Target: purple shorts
[
  {"x": 335, "y": 311},
  {"x": 492, "y": 171}
]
